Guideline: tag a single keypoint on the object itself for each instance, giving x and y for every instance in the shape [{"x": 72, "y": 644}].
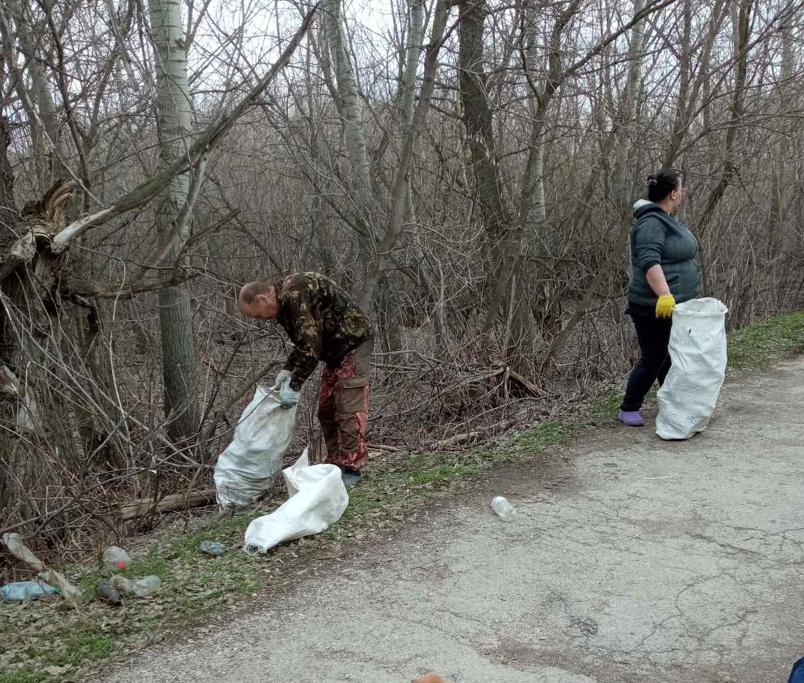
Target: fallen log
[
  {"x": 530, "y": 387},
  {"x": 175, "y": 501},
  {"x": 457, "y": 439},
  {"x": 460, "y": 439}
]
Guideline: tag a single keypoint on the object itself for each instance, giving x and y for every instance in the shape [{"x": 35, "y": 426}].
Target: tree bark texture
[
  {"x": 173, "y": 112},
  {"x": 505, "y": 280}
]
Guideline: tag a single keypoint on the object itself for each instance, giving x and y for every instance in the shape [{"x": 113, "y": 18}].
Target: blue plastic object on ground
[{"x": 26, "y": 590}]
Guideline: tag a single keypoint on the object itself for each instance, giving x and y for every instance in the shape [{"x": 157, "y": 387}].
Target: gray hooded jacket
[{"x": 659, "y": 239}]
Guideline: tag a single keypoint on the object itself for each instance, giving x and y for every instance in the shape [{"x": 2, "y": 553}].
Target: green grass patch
[
  {"x": 541, "y": 436},
  {"x": 150, "y": 565},
  {"x": 759, "y": 345},
  {"x": 603, "y": 407},
  {"x": 85, "y": 646},
  {"x": 25, "y": 675},
  {"x": 440, "y": 474},
  {"x": 54, "y": 657}
]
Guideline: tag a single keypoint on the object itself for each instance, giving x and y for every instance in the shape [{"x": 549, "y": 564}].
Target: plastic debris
[
  {"x": 20, "y": 591},
  {"x": 108, "y": 593},
  {"x": 115, "y": 559},
  {"x": 502, "y": 507},
  {"x": 147, "y": 586},
  {"x": 212, "y": 547},
  {"x": 122, "y": 584},
  {"x": 18, "y": 549}
]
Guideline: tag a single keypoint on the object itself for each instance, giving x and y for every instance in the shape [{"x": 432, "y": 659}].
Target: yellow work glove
[{"x": 665, "y": 306}]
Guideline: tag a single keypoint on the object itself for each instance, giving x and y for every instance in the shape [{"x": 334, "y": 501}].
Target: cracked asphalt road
[{"x": 629, "y": 559}]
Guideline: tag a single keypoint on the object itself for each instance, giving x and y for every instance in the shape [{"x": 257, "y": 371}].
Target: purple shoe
[{"x": 631, "y": 418}]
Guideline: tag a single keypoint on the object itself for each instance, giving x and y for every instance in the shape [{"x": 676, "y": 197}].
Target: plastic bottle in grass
[{"x": 115, "y": 559}]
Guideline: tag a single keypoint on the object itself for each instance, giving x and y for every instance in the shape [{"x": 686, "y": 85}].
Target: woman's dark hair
[{"x": 662, "y": 183}]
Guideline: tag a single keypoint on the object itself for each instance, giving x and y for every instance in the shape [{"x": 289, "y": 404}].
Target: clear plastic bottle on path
[
  {"x": 116, "y": 559},
  {"x": 502, "y": 507},
  {"x": 147, "y": 586}
]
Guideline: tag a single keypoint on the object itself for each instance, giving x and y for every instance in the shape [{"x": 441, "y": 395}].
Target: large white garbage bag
[
  {"x": 248, "y": 466},
  {"x": 688, "y": 396},
  {"x": 317, "y": 499}
]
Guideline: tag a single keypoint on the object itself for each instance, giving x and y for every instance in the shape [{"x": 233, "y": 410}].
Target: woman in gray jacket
[{"x": 664, "y": 272}]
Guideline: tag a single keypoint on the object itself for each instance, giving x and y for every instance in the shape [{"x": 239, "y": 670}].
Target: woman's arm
[{"x": 655, "y": 277}]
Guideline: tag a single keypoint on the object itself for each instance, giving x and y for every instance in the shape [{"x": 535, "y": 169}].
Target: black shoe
[{"x": 350, "y": 477}]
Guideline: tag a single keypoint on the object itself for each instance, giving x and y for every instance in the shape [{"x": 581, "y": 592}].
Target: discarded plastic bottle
[
  {"x": 502, "y": 507},
  {"x": 212, "y": 547},
  {"x": 122, "y": 584},
  {"x": 147, "y": 586},
  {"x": 26, "y": 590},
  {"x": 105, "y": 591},
  {"x": 115, "y": 559}
]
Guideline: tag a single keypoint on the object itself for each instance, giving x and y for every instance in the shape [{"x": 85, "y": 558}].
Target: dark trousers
[{"x": 653, "y": 335}]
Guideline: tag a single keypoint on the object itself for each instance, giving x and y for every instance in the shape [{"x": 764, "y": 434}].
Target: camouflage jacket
[{"x": 322, "y": 321}]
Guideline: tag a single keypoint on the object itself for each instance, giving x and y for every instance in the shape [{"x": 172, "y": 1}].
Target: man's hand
[
  {"x": 665, "y": 306},
  {"x": 282, "y": 377},
  {"x": 288, "y": 398}
]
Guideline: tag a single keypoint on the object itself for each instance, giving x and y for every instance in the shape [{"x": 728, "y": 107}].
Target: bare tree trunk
[
  {"x": 425, "y": 277},
  {"x": 545, "y": 301},
  {"x": 350, "y": 109},
  {"x": 539, "y": 98},
  {"x": 622, "y": 180},
  {"x": 38, "y": 101},
  {"x": 680, "y": 123},
  {"x": 180, "y": 368},
  {"x": 415, "y": 123},
  {"x": 351, "y": 112},
  {"x": 390, "y": 320},
  {"x": 412, "y": 53},
  {"x": 319, "y": 227},
  {"x": 477, "y": 119},
  {"x": 742, "y": 34},
  {"x": 505, "y": 279},
  {"x": 8, "y": 399},
  {"x": 690, "y": 90},
  {"x": 778, "y": 199},
  {"x": 8, "y": 209}
]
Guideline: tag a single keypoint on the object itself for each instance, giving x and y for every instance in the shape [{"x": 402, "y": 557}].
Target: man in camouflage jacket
[{"x": 324, "y": 323}]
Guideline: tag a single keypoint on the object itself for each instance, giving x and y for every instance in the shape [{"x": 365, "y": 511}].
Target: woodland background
[{"x": 464, "y": 168}]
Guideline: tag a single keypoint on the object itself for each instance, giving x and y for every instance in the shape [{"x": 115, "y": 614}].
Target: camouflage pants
[{"x": 343, "y": 408}]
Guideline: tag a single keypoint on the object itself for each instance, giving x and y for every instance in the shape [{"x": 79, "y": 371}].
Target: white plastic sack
[
  {"x": 317, "y": 499},
  {"x": 688, "y": 396},
  {"x": 248, "y": 466}
]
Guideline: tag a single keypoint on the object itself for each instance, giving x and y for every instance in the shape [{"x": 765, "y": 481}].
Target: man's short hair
[{"x": 250, "y": 290}]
